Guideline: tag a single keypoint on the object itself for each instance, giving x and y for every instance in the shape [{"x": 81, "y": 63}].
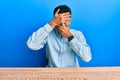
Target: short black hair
[{"x": 63, "y": 9}]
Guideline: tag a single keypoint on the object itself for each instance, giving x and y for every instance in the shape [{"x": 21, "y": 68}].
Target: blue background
[{"x": 99, "y": 20}]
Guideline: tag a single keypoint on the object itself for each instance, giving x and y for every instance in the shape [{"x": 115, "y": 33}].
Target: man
[{"x": 62, "y": 43}]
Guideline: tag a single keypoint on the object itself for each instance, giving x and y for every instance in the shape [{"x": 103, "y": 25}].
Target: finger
[
  {"x": 57, "y": 12},
  {"x": 65, "y": 17},
  {"x": 64, "y": 26},
  {"x": 60, "y": 31},
  {"x": 61, "y": 28},
  {"x": 67, "y": 24},
  {"x": 68, "y": 21},
  {"x": 65, "y": 21},
  {"x": 66, "y": 13},
  {"x": 69, "y": 16}
]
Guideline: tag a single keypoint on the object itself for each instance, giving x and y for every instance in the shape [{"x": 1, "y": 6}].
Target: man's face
[{"x": 67, "y": 22}]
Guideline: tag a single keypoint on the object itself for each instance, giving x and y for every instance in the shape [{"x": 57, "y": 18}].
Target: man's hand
[
  {"x": 59, "y": 18},
  {"x": 64, "y": 30}
]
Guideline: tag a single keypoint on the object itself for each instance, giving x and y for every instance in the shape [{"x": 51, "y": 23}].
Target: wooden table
[{"x": 89, "y": 73}]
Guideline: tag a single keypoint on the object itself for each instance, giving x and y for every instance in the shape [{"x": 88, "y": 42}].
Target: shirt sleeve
[
  {"x": 38, "y": 39},
  {"x": 81, "y": 48}
]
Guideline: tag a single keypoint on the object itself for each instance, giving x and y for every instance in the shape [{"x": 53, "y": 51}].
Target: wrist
[
  {"x": 52, "y": 24},
  {"x": 70, "y": 34},
  {"x": 70, "y": 38}
]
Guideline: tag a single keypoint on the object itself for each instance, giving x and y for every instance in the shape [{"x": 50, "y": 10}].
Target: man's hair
[{"x": 63, "y": 9}]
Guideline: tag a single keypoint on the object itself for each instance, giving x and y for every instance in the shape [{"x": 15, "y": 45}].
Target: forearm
[
  {"x": 38, "y": 38},
  {"x": 81, "y": 49}
]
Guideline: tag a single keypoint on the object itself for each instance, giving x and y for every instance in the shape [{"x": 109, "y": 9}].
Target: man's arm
[
  {"x": 38, "y": 39},
  {"x": 79, "y": 45},
  {"x": 76, "y": 41}
]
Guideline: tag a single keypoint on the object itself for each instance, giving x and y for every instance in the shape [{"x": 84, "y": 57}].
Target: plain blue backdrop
[{"x": 99, "y": 20}]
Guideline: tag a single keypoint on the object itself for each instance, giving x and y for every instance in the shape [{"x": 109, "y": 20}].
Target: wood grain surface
[{"x": 88, "y": 73}]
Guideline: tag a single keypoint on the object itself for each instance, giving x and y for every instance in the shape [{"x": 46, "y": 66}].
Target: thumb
[{"x": 57, "y": 12}]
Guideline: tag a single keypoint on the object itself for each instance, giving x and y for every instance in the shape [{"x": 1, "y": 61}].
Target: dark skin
[{"x": 61, "y": 22}]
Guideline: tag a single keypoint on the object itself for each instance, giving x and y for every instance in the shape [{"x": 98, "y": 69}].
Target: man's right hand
[{"x": 59, "y": 19}]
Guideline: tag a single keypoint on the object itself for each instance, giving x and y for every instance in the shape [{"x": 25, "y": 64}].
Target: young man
[{"x": 62, "y": 43}]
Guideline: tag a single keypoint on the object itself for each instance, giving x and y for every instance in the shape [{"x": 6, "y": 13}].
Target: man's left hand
[{"x": 64, "y": 30}]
